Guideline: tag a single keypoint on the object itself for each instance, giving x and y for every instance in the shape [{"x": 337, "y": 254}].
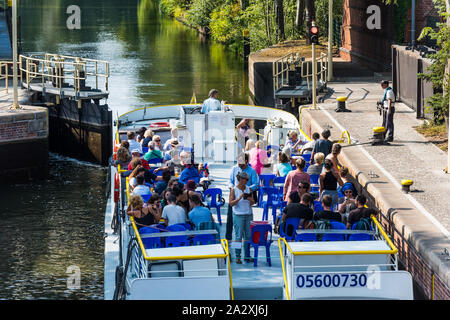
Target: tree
[
  {"x": 438, "y": 72},
  {"x": 279, "y": 14},
  {"x": 299, "y": 16},
  {"x": 310, "y": 15}
]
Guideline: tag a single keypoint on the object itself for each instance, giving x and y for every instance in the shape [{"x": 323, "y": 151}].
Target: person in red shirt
[{"x": 136, "y": 154}]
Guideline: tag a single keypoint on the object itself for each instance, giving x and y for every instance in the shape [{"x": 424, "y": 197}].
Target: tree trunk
[
  {"x": 310, "y": 16},
  {"x": 446, "y": 81},
  {"x": 279, "y": 20},
  {"x": 299, "y": 16}
]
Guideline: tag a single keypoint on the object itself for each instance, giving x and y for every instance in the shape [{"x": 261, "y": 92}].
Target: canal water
[{"x": 54, "y": 226}]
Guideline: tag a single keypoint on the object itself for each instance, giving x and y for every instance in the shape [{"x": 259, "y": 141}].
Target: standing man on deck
[
  {"x": 388, "y": 110},
  {"x": 212, "y": 103}
]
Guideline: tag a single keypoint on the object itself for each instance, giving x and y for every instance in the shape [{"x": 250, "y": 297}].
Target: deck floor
[{"x": 247, "y": 279}]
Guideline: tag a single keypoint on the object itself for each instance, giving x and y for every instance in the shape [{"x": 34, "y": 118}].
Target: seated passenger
[
  {"x": 283, "y": 166},
  {"x": 326, "y": 213},
  {"x": 348, "y": 203},
  {"x": 126, "y": 145},
  {"x": 191, "y": 186},
  {"x": 141, "y": 171},
  {"x": 199, "y": 212},
  {"x": 317, "y": 167},
  {"x": 157, "y": 140},
  {"x": 136, "y": 155},
  {"x": 153, "y": 153},
  {"x": 183, "y": 197},
  {"x": 123, "y": 158},
  {"x": 140, "y": 134},
  {"x": 295, "y": 197},
  {"x": 333, "y": 156},
  {"x": 293, "y": 142},
  {"x": 132, "y": 141},
  {"x": 309, "y": 146},
  {"x": 360, "y": 212},
  {"x": 173, "y": 213},
  {"x": 162, "y": 185},
  {"x": 190, "y": 172},
  {"x": 174, "y": 136},
  {"x": 165, "y": 195},
  {"x": 148, "y": 136},
  {"x": 299, "y": 210},
  {"x": 143, "y": 217},
  {"x": 294, "y": 178},
  {"x": 154, "y": 206},
  {"x": 212, "y": 103},
  {"x": 141, "y": 188}
]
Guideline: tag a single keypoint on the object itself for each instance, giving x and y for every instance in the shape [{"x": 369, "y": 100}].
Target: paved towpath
[{"x": 409, "y": 156}]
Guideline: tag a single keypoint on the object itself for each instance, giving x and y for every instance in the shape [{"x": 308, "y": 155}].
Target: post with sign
[
  {"x": 14, "y": 53},
  {"x": 314, "y": 38}
]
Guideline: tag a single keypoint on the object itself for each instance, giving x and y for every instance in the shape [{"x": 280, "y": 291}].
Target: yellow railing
[
  {"x": 61, "y": 69},
  {"x": 349, "y": 140},
  {"x": 5, "y": 74}
]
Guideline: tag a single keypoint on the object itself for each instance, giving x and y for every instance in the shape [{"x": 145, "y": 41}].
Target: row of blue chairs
[
  {"x": 293, "y": 224},
  {"x": 174, "y": 241}
]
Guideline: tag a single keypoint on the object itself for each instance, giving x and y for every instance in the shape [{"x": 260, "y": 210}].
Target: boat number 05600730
[{"x": 331, "y": 280}]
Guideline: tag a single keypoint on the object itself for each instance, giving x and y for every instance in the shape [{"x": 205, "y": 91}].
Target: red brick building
[{"x": 370, "y": 45}]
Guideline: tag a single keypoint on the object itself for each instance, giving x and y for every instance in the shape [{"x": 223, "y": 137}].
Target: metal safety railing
[
  {"x": 63, "y": 71},
  {"x": 4, "y": 74},
  {"x": 289, "y": 62}
]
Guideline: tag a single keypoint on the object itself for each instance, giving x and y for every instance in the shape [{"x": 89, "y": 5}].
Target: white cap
[{"x": 136, "y": 151}]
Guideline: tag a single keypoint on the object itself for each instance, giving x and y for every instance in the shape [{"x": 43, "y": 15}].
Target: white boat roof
[
  {"x": 318, "y": 246},
  {"x": 188, "y": 251}
]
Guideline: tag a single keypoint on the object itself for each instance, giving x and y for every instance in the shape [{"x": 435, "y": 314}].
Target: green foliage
[
  {"x": 225, "y": 26},
  {"x": 322, "y": 14},
  {"x": 436, "y": 73},
  {"x": 168, "y": 7},
  {"x": 199, "y": 13},
  {"x": 400, "y": 12}
]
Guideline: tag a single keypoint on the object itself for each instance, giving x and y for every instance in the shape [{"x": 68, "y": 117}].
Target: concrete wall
[
  {"x": 260, "y": 81},
  {"x": 23, "y": 142},
  {"x": 408, "y": 88}
]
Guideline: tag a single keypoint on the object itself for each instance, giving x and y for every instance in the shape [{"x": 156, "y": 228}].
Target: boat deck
[{"x": 249, "y": 282}]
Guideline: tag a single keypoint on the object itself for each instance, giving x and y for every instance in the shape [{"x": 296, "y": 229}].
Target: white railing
[
  {"x": 62, "y": 70},
  {"x": 282, "y": 66}
]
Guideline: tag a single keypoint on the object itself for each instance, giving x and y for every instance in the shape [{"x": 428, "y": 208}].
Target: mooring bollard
[{"x": 406, "y": 185}]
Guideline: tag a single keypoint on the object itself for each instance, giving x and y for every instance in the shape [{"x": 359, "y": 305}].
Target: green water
[{"x": 50, "y": 225}]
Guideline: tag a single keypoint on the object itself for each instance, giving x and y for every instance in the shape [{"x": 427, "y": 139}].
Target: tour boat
[{"x": 336, "y": 269}]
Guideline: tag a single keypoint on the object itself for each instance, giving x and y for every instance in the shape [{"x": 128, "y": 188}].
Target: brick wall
[
  {"x": 424, "y": 9},
  {"x": 361, "y": 44},
  {"x": 23, "y": 125}
]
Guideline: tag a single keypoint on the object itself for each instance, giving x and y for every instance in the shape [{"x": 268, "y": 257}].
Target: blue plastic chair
[
  {"x": 146, "y": 197},
  {"x": 289, "y": 224},
  {"x": 307, "y": 157},
  {"x": 332, "y": 236},
  {"x": 150, "y": 243},
  {"x": 317, "y": 206},
  {"x": 361, "y": 236},
  {"x": 176, "y": 241},
  {"x": 262, "y": 229},
  {"x": 209, "y": 225},
  {"x": 155, "y": 160},
  {"x": 272, "y": 201},
  {"x": 280, "y": 180},
  {"x": 314, "y": 179},
  {"x": 215, "y": 193},
  {"x": 202, "y": 239},
  {"x": 264, "y": 181},
  {"x": 186, "y": 225}
]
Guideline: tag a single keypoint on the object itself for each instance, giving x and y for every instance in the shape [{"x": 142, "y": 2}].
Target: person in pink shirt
[
  {"x": 294, "y": 177},
  {"x": 258, "y": 157}
]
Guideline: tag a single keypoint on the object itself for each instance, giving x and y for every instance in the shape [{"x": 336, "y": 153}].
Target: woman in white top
[{"x": 241, "y": 202}]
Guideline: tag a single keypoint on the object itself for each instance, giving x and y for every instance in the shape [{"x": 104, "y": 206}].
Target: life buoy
[
  {"x": 115, "y": 152},
  {"x": 160, "y": 125},
  {"x": 116, "y": 187}
]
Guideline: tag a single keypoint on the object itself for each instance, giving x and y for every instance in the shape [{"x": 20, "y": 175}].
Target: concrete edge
[{"x": 431, "y": 246}]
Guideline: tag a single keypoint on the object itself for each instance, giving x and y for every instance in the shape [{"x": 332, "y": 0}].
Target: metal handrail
[
  {"x": 7, "y": 75},
  {"x": 61, "y": 68},
  {"x": 281, "y": 66}
]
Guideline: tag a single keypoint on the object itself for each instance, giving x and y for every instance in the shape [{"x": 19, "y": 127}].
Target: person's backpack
[{"x": 363, "y": 224}]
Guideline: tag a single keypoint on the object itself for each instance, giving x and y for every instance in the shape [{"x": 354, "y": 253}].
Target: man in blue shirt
[
  {"x": 212, "y": 103},
  {"x": 199, "y": 213},
  {"x": 252, "y": 183}
]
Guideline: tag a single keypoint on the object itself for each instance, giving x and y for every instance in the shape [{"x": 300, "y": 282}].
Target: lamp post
[
  {"x": 330, "y": 40},
  {"x": 14, "y": 53}
]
